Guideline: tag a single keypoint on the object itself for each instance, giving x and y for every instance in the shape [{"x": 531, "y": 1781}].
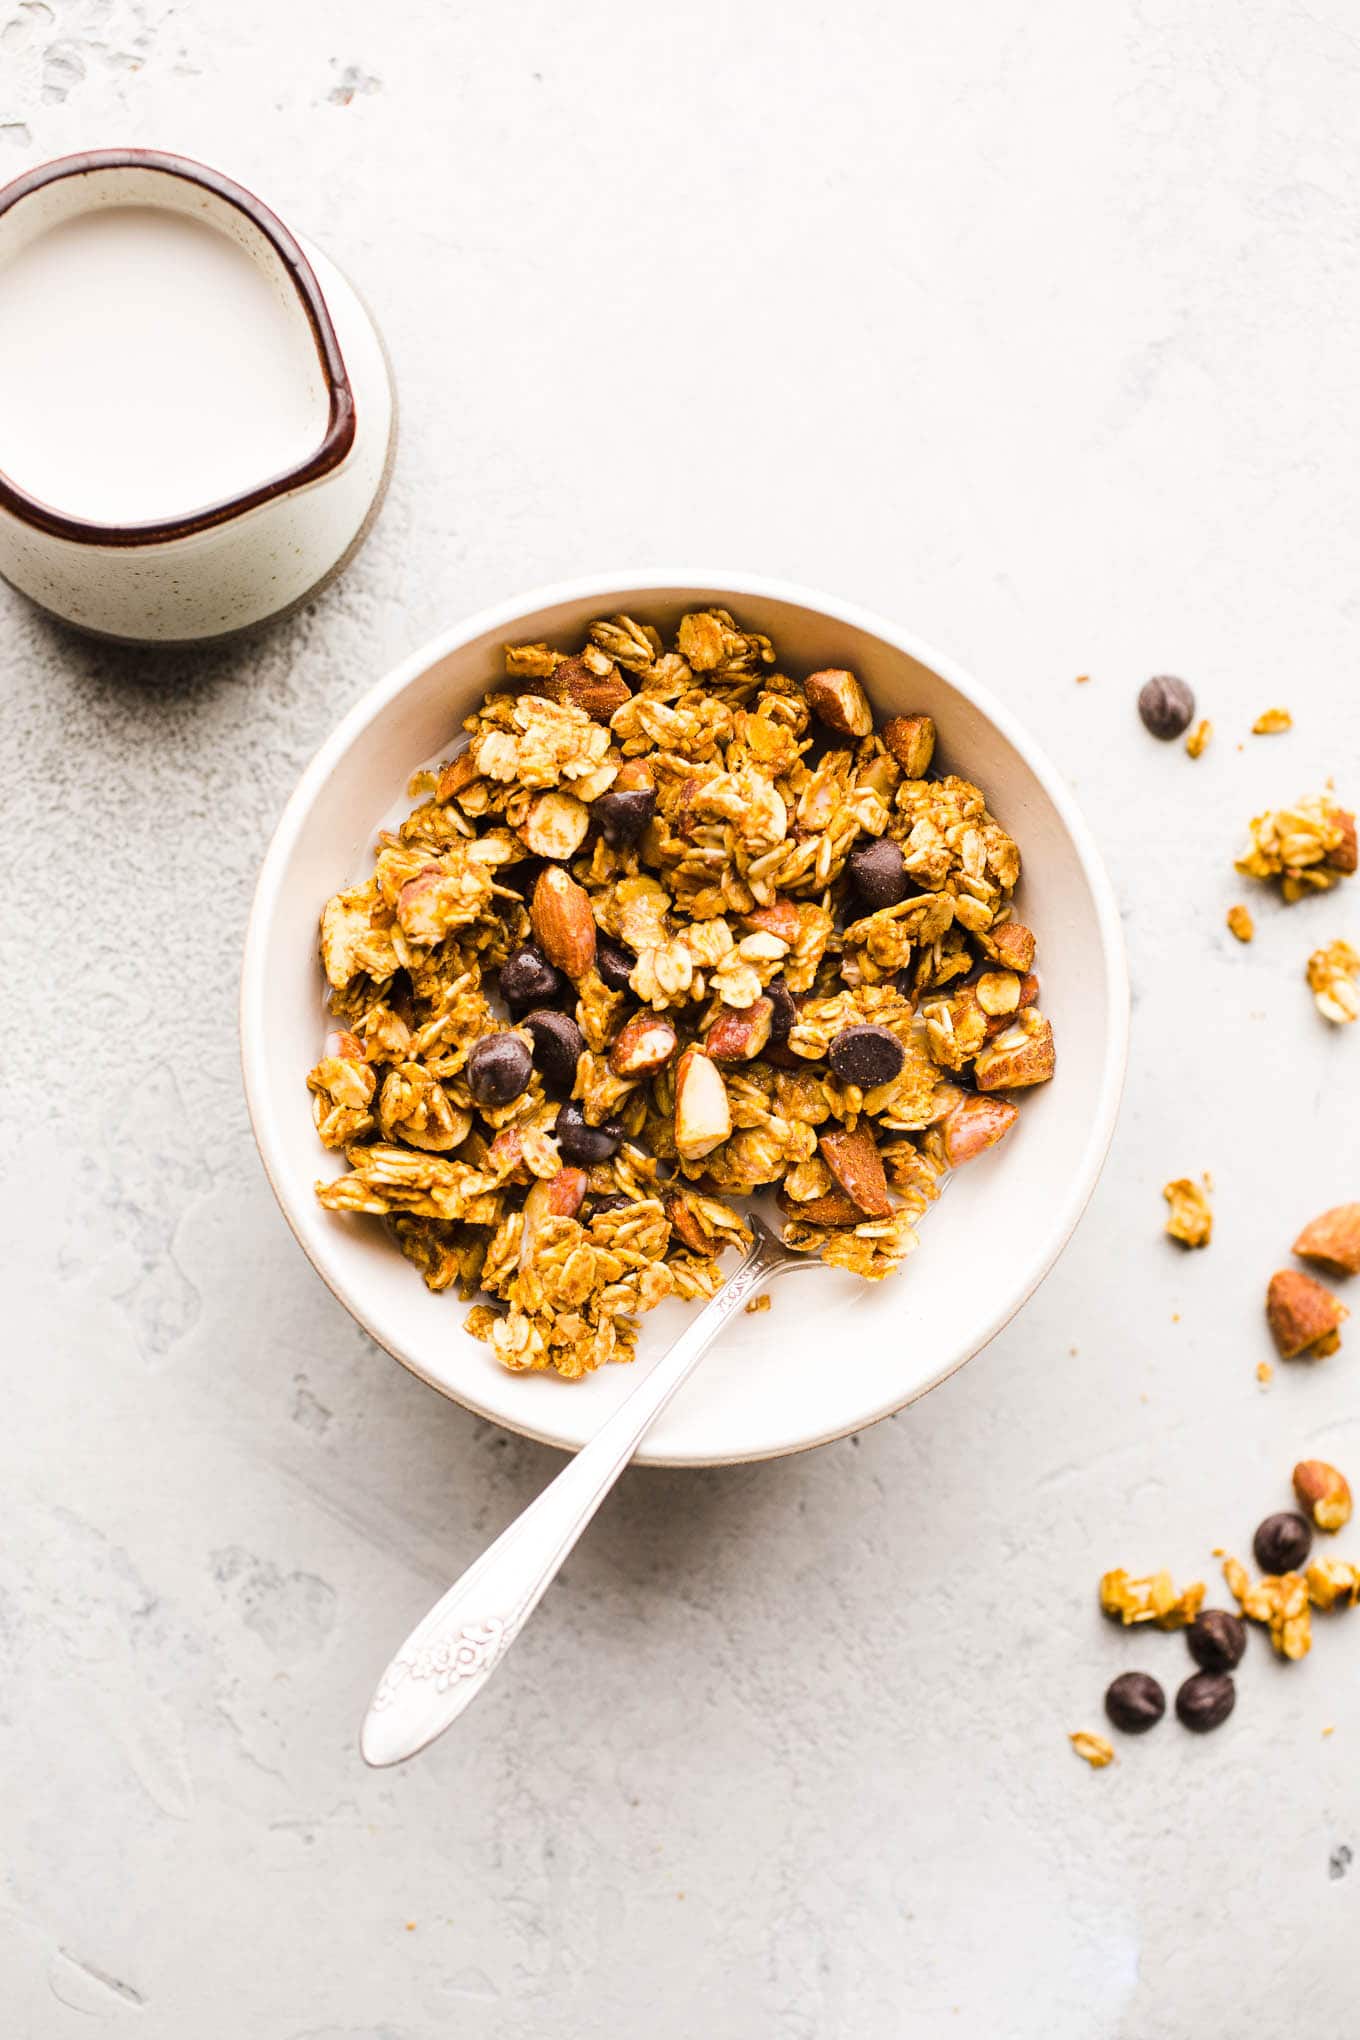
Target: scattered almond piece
[
  {"x": 759, "y": 1303},
  {"x": 1333, "y": 1239},
  {"x": 1199, "y": 737},
  {"x": 1334, "y": 980},
  {"x": 1093, "y": 1748},
  {"x": 1303, "y": 1316},
  {"x": 1191, "y": 1221},
  {"x": 1324, "y": 1492},
  {"x": 1240, "y": 923},
  {"x": 857, "y": 1166},
  {"x": 1272, "y": 722}
]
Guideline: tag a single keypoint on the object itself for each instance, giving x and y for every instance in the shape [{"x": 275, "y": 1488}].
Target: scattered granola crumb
[
  {"x": 1279, "y": 1601},
  {"x": 1093, "y": 1748},
  {"x": 1199, "y": 737},
  {"x": 1191, "y": 1221},
  {"x": 1175, "y": 1317},
  {"x": 1333, "y": 1240},
  {"x": 1330, "y": 1728},
  {"x": 1082, "y": 679},
  {"x": 1332, "y": 978},
  {"x": 1150, "y": 1599},
  {"x": 1265, "y": 1374},
  {"x": 759, "y": 1303},
  {"x": 1219, "y": 1551},
  {"x": 1308, "y": 847},
  {"x": 1272, "y": 722},
  {"x": 1240, "y": 923}
]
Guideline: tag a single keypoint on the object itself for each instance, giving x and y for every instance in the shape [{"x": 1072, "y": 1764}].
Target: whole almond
[
  {"x": 703, "y": 1116},
  {"x": 832, "y": 1208},
  {"x": 739, "y": 1036},
  {"x": 837, "y": 700},
  {"x": 599, "y": 694},
  {"x": 559, "y": 1196},
  {"x": 1344, "y": 858},
  {"x": 563, "y": 922},
  {"x": 856, "y": 1164},
  {"x": 911, "y": 739},
  {"x": 1324, "y": 1492},
  {"x": 1333, "y": 1239},
  {"x": 458, "y": 773},
  {"x": 645, "y": 1044},
  {"x": 634, "y": 776},
  {"x": 975, "y": 1124},
  {"x": 1302, "y": 1315}
]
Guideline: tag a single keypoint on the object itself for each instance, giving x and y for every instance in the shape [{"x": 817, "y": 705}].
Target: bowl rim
[{"x": 721, "y": 586}]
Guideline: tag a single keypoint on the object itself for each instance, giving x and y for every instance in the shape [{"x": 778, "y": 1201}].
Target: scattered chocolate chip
[
  {"x": 614, "y": 963},
  {"x": 527, "y": 978},
  {"x": 558, "y": 1047},
  {"x": 866, "y": 1056},
  {"x": 498, "y": 1069},
  {"x": 1166, "y": 706},
  {"x": 1135, "y": 1702},
  {"x": 615, "y": 1201},
  {"x": 785, "y": 1009},
  {"x": 1283, "y": 1542},
  {"x": 1205, "y": 1701},
  {"x": 1217, "y": 1639},
  {"x": 878, "y": 874},
  {"x": 623, "y": 816},
  {"x": 584, "y": 1145}
]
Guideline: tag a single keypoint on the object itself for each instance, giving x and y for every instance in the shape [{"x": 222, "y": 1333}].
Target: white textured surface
[{"x": 1036, "y": 328}]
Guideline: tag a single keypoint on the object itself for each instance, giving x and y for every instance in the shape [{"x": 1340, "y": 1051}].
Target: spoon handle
[{"x": 448, "y": 1658}]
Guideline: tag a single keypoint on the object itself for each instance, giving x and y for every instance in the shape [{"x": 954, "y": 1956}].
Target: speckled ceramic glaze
[{"x": 231, "y": 564}]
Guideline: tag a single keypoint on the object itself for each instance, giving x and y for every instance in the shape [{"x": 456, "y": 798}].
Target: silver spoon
[{"x": 448, "y": 1658}]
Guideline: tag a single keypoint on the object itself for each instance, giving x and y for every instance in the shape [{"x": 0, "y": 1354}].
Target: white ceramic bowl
[{"x": 832, "y": 1354}]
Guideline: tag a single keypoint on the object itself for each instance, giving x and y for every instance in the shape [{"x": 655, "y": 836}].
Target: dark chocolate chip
[
  {"x": 1283, "y": 1542},
  {"x": 785, "y": 1010},
  {"x": 1205, "y": 1701},
  {"x": 1135, "y": 1702},
  {"x": 528, "y": 979},
  {"x": 614, "y": 963},
  {"x": 624, "y": 816},
  {"x": 878, "y": 874},
  {"x": 866, "y": 1056},
  {"x": 1217, "y": 1639},
  {"x": 1166, "y": 706},
  {"x": 498, "y": 1069},
  {"x": 615, "y": 1201},
  {"x": 558, "y": 1047},
  {"x": 581, "y": 1145}
]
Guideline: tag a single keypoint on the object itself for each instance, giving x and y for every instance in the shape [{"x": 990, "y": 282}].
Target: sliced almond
[
  {"x": 645, "y": 1044},
  {"x": 1011, "y": 945},
  {"x": 856, "y": 1164},
  {"x": 634, "y": 776},
  {"x": 911, "y": 739},
  {"x": 703, "y": 1116},
  {"x": 834, "y": 1208},
  {"x": 1333, "y": 1239},
  {"x": 740, "y": 1036},
  {"x": 599, "y": 694},
  {"x": 837, "y": 699},
  {"x": 456, "y": 774},
  {"x": 1024, "y": 1054},
  {"x": 1302, "y": 1315},
  {"x": 563, "y": 922},
  {"x": 975, "y": 1124},
  {"x": 779, "y": 919}
]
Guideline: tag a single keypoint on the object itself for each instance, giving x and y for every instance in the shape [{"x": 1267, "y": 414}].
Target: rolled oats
[
  {"x": 1151, "y": 1599},
  {"x": 722, "y": 916},
  {"x": 1334, "y": 980}
]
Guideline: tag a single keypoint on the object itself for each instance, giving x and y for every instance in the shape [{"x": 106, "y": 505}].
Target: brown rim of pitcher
[{"x": 339, "y": 434}]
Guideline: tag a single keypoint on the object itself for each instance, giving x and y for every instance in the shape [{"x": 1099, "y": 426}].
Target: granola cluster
[
  {"x": 1309, "y": 847},
  {"x": 746, "y": 943}
]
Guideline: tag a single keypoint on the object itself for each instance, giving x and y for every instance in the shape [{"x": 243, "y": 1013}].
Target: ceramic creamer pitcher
[{"x": 196, "y": 415}]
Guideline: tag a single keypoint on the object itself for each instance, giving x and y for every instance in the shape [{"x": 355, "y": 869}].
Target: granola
[
  {"x": 1092, "y": 1748},
  {"x": 1240, "y": 923},
  {"x": 655, "y": 857},
  {"x": 1334, "y": 981},
  {"x": 1151, "y": 1599},
  {"x": 1309, "y": 847},
  {"x": 1272, "y": 722},
  {"x": 1279, "y": 1602},
  {"x": 1190, "y": 1221}
]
